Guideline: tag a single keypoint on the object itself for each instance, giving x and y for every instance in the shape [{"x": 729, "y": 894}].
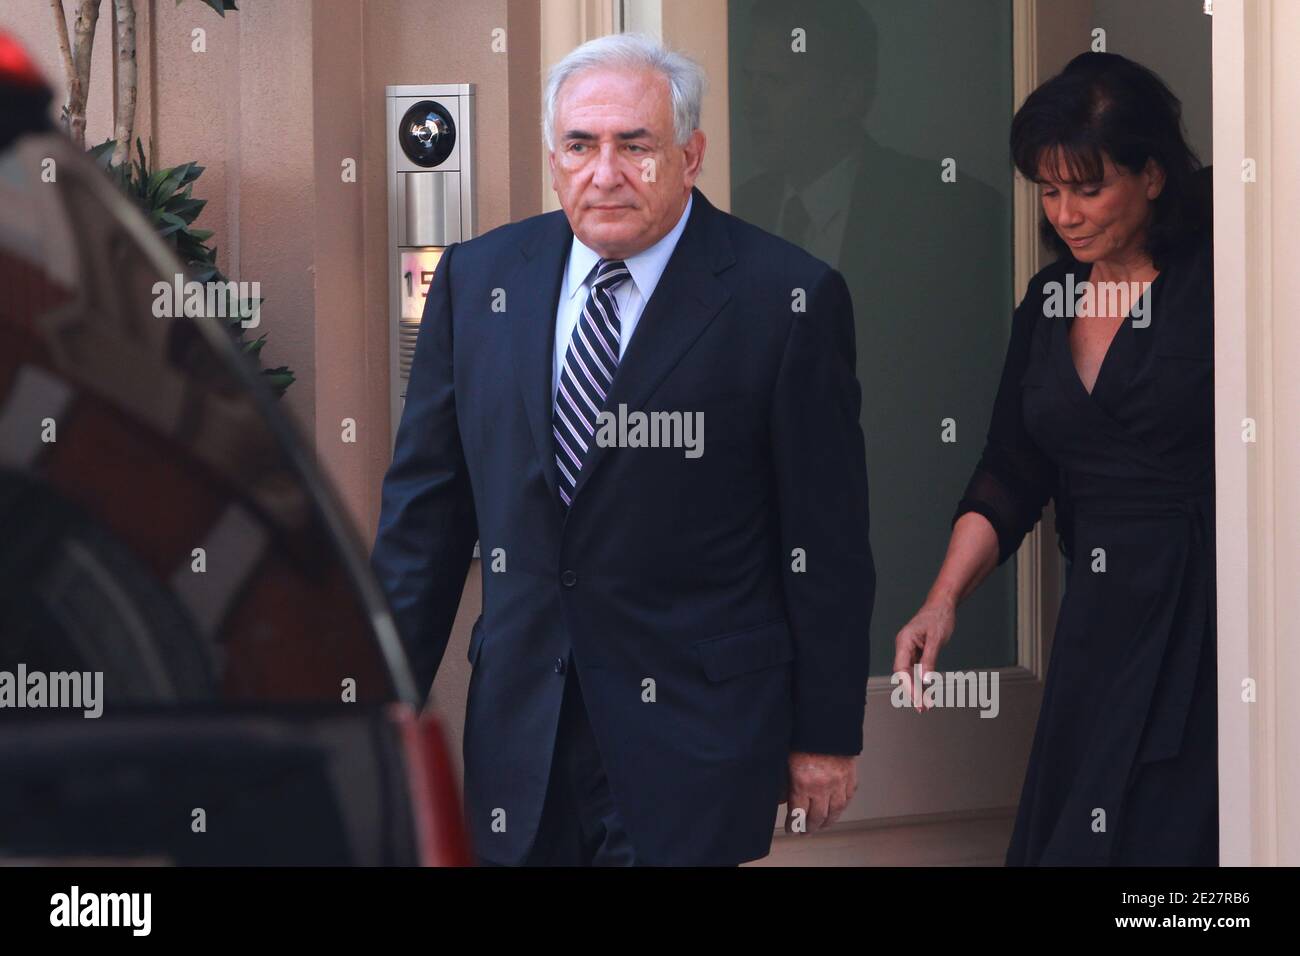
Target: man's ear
[
  {"x": 694, "y": 150},
  {"x": 550, "y": 161}
]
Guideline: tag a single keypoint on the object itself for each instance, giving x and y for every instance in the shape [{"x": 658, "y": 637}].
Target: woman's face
[{"x": 1102, "y": 221}]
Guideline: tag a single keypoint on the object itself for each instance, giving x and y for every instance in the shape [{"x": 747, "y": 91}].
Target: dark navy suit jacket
[{"x": 716, "y": 608}]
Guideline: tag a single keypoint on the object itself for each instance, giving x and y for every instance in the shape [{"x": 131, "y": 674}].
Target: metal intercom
[{"x": 430, "y": 205}]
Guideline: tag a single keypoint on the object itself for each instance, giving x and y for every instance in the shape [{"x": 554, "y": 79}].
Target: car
[{"x": 172, "y": 557}]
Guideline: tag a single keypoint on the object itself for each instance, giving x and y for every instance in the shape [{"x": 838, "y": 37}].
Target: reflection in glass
[{"x": 874, "y": 135}]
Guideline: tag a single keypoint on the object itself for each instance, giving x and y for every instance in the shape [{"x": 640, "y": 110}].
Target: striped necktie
[{"x": 588, "y": 373}]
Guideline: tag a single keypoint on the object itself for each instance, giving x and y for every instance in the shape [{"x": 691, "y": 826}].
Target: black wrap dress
[{"x": 1123, "y": 768}]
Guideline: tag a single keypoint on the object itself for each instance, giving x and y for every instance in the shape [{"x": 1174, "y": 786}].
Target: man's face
[{"x": 616, "y": 167}]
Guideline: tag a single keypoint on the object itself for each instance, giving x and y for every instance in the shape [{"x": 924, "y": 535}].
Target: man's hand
[{"x": 821, "y": 785}]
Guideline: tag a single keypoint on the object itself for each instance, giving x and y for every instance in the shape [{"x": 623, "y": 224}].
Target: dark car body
[{"x": 166, "y": 534}]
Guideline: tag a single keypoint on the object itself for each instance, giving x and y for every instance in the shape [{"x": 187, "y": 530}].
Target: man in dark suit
[{"x": 675, "y": 607}]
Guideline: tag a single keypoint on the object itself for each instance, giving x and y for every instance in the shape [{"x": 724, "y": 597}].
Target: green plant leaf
[
  {"x": 221, "y": 6},
  {"x": 103, "y": 153},
  {"x": 154, "y": 181},
  {"x": 279, "y": 379},
  {"x": 164, "y": 189},
  {"x": 187, "y": 209},
  {"x": 165, "y": 198}
]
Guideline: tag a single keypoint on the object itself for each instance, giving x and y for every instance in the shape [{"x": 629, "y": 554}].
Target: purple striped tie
[{"x": 587, "y": 374}]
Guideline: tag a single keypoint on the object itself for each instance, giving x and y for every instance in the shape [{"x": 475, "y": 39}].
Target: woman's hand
[
  {"x": 921, "y": 640},
  {"x": 972, "y": 555}
]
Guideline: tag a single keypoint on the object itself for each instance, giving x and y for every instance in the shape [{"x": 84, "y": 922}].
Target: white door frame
[{"x": 1256, "y": 63}]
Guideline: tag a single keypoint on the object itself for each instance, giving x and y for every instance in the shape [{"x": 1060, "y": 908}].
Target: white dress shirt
[{"x": 631, "y": 295}]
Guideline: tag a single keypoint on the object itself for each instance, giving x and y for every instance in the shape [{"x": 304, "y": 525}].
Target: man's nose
[{"x": 607, "y": 174}]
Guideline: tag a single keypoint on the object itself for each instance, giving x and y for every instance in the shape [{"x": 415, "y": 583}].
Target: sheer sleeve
[{"x": 1014, "y": 478}]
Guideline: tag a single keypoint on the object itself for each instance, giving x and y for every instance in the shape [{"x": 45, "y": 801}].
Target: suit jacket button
[
  {"x": 569, "y": 579},
  {"x": 559, "y": 665}
]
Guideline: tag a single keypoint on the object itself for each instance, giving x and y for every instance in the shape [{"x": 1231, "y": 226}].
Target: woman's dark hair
[{"x": 1103, "y": 104}]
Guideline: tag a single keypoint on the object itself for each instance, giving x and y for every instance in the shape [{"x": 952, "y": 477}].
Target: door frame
[{"x": 1256, "y": 77}]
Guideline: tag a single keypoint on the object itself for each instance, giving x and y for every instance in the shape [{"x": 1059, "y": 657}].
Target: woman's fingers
[
  {"x": 930, "y": 656},
  {"x": 919, "y": 642},
  {"x": 908, "y": 646}
]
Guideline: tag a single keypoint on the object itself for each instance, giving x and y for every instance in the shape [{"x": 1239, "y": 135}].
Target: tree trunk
[
  {"x": 83, "y": 28},
  {"x": 124, "y": 121},
  {"x": 69, "y": 71}
]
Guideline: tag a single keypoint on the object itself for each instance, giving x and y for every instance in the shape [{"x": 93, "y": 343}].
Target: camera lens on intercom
[{"x": 427, "y": 133}]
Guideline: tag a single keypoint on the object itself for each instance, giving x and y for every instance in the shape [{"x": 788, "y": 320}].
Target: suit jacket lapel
[
  {"x": 534, "y": 292},
  {"x": 688, "y": 296},
  {"x": 684, "y": 302}
]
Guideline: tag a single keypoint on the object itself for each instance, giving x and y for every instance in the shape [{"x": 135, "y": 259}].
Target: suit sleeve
[
  {"x": 427, "y": 527},
  {"x": 821, "y": 481}
]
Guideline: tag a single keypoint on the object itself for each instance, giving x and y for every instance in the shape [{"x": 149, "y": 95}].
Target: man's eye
[
  {"x": 577, "y": 147},
  {"x": 636, "y": 148}
]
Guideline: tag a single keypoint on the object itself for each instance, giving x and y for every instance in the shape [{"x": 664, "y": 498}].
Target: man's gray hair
[{"x": 631, "y": 51}]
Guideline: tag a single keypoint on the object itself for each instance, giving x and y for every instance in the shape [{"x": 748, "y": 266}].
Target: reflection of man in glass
[
  {"x": 927, "y": 261},
  {"x": 805, "y": 120}
]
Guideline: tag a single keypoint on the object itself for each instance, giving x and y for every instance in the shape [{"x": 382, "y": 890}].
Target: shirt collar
[
  {"x": 824, "y": 197},
  {"x": 646, "y": 266}
]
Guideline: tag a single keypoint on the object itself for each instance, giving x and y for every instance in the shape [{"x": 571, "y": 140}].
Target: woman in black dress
[{"x": 1109, "y": 411}]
